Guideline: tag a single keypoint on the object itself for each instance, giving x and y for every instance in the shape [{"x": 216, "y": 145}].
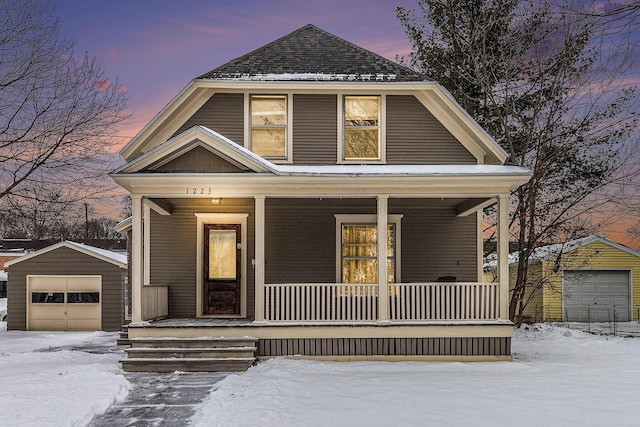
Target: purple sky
[{"x": 154, "y": 48}]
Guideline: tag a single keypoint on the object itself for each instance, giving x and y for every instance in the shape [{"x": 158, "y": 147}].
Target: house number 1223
[{"x": 201, "y": 190}]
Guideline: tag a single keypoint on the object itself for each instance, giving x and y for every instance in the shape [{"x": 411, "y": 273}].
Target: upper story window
[
  {"x": 269, "y": 126},
  {"x": 362, "y": 131}
]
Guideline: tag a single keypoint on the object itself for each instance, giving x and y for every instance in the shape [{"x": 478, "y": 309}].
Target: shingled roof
[{"x": 310, "y": 53}]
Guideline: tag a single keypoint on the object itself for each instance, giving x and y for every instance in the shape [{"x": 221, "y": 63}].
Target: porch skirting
[{"x": 486, "y": 341}]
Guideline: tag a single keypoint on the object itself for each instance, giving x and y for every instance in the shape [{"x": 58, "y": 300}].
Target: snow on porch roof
[
  {"x": 241, "y": 156},
  {"x": 400, "y": 170}
]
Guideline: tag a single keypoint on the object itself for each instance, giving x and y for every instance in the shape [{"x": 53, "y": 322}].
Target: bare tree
[
  {"x": 547, "y": 81},
  {"x": 58, "y": 112}
]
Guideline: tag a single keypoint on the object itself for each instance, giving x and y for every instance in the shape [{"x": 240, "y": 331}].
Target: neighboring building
[
  {"x": 588, "y": 279},
  {"x": 3, "y": 284},
  {"x": 259, "y": 191},
  {"x": 67, "y": 287}
]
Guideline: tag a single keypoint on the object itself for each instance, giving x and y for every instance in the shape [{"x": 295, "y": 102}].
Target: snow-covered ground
[
  {"x": 3, "y": 311},
  {"x": 45, "y": 382},
  {"x": 559, "y": 377}
]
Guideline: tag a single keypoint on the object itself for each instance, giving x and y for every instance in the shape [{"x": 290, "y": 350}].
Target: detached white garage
[
  {"x": 64, "y": 303},
  {"x": 67, "y": 287}
]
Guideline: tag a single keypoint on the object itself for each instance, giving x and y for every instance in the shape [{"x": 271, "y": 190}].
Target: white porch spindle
[
  {"x": 137, "y": 269},
  {"x": 352, "y": 303},
  {"x": 259, "y": 259},
  {"x": 503, "y": 255},
  {"x": 383, "y": 286}
]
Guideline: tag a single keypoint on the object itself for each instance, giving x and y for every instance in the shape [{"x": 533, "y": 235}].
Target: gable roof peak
[{"x": 312, "y": 54}]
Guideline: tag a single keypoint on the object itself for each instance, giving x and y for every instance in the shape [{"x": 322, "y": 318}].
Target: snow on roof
[
  {"x": 400, "y": 170},
  {"x": 115, "y": 256},
  {"x": 118, "y": 259},
  {"x": 236, "y": 153},
  {"x": 549, "y": 252},
  {"x": 316, "y": 77}
]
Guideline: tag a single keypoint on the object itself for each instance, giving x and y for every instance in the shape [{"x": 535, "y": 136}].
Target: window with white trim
[
  {"x": 358, "y": 248},
  {"x": 268, "y": 126},
  {"x": 361, "y": 128}
]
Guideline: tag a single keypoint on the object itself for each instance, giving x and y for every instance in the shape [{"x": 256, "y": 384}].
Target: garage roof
[{"x": 114, "y": 258}]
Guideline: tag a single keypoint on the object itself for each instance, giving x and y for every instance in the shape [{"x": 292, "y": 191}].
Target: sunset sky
[{"x": 155, "y": 47}]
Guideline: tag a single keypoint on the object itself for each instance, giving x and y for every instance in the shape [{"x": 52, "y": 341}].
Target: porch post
[
  {"x": 259, "y": 258},
  {"x": 503, "y": 254},
  {"x": 136, "y": 258},
  {"x": 383, "y": 286},
  {"x": 146, "y": 244}
]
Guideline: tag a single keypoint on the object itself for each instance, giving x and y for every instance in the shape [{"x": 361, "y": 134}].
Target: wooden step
[
  {"x": 200, "y": 352},
  {"x": 213, "y": 364}
]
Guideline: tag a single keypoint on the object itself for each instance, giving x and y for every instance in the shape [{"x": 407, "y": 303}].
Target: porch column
[
  {"x": 383, "y": 286},
  {"x": 503, "y": 255},
  {"x": 146, "y": 243},
  {"x": 259, "y": 258},
  {"x": 136, "y": 258}
]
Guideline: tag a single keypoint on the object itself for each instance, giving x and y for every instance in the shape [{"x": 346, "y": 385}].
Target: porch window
[
  {"x": 269, "y": 126},
  {"x": 357, "y": 248},
  {"x": 361, "y": 128},
  {"x": 359, "y": 252}
]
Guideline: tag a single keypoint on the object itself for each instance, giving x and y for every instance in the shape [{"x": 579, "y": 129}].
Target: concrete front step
[
  {"x": 123, "y": 336},
  {"x": 178, "y": 352},
  {"x": 207, "y": 342},
  {"x": 204, "y": 354},
  {"x": 227, "y": 364}
]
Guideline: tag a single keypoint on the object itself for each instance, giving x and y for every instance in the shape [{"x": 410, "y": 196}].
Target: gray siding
[
  {"x": 415, "y": 136},
  {"x": 301, "y": 239},
  {"x": 223, "y": 113},
  {"x": 315, "y": 129},
  {"x": 199, "y": 159},
  {"x": 300, "y": 236},
  {"x": 476, "y": 346},
  {"x": 435, "y": 242},
  {"x": 66, "y": 262},
  {"x": 173, "y": 251}
]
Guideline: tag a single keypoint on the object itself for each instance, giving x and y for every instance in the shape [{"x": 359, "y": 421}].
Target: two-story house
[{"x": 313, "y": 198}]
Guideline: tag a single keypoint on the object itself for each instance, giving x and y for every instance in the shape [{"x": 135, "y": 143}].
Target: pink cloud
[{"x": 103, "y": 85}]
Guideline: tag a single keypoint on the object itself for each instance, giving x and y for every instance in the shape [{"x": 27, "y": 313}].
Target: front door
[{"x": 222, "y": 269}]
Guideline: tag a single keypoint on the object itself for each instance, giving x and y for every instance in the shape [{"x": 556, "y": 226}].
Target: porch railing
[
  {"x": 443, "y": 301},
  {"x": 319, "y": 302},
  {"x": 337, "y": 302},
  {"x": 155, "y": 302}
]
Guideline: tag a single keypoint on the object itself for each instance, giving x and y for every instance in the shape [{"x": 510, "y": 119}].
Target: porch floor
[{"x": 249, "y": 323}]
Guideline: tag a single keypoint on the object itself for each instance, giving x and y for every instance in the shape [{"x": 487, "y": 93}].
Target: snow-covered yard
[
  {"x": 45, "y": 382},
  {"x": 559, "y": 376}
]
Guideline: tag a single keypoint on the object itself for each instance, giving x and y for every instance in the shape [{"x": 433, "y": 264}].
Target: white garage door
[
  {"x": 596, "y": 295},
  {"x": 64, "y": 303}
]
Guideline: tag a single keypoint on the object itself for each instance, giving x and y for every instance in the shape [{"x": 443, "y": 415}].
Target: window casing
[
  {"x": 362, "y": 129},
  {"x": 357, "y": 249},
  {"x": 268, "y": 126}
]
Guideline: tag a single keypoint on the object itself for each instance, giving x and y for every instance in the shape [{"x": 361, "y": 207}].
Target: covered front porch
[{"x": 293, "y": 256}]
